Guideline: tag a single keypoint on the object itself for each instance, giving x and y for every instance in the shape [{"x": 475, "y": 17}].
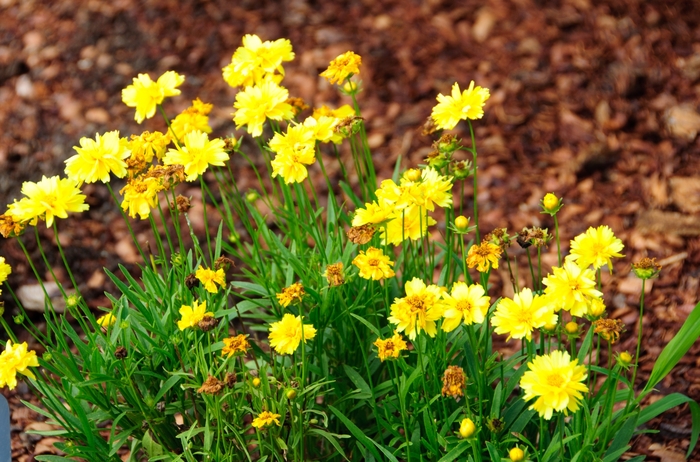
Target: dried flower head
[
  {"x": 9, "y": 227},
  {"x": 454, "y": 381},
  {"x": 390, "y": 348},
  {"x": 169, "y": 175},
  {"x": 183, "y": 204},
  {"x": 646, "y": 268},
  {"x": 609, "y": 329},
  {"x": 208, "y": 323},
  {"x": 361, "y": 234},
  {"x": 120, "y": 352},
  {"x": 211, "y": 386},
  {"x": 230, "y": 379},
  {"x": 298, "y": 105},
  {"x": 499, "y": 237},
  {"x": 461, "y": 169},
  {"x": 334, "y": 274},
  {"x": 429, "y": 127},
  {"x": 224, "y": 263},
  {"x": 235, "y": 345},
  {"x": 291, "y": 294},
  {"x": 191, "y": 281}
]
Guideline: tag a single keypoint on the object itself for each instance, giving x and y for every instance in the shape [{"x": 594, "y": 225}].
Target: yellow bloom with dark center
[
  {"x": 418, "y": 310},
  {"x": 557, "y": 383},
  {"x": 191, "y": 315},
  {"x": 454, "y": 381},
  {"x": 5, "y": 270},
  {"x": 256, "y": 61},
  {"x": 235, "y": 345},
  {"x": 595, "y": 247},
  {"x": 295, "y": 150},
  {"x": 106, "y": 320},
  {"x": 197, "y": 153},
  {"x": 194, "y": 118},
  {"x": 265, "y": 419},
  {"x": 522, "y": 314},
  {"x": 483, "y": 256},
  {"x": 409, "y": 223},
  {"x": 16, "y": 358},
  {"x": 391, "y": 347},
  {"x": 210, "y": 278},
  {"x": 293, "y": 293},
  {"x": 144, "y": 94},
  {"x": 140, "y": 196},
  {"x": 148, "y": 145},
  {"x": 464, "y": 304},
  {"x": 373, "y": 264},
  {"x": 571, "y": 288},
  {"x": 254, "y": 105},
  {"x": 342, "y": 67},
  {"x": 285, "y": 335},
  {"x": 47, "y": 199},
  {"x": 97, "y": 158},
  {"x": 468, "y": 104}
]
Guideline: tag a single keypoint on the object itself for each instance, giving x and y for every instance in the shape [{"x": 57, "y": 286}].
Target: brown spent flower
[
  {"x": 454, "y": 381},
  {"x": 211, "y": 386},
  {"x": 191, "y": 281},
  {"x": 224, "y": 262},
  {"x": 646, "y": 268},
  {"x": 348, "y": 126},
  {"x": 539, "y": 237},
  {"x": 334, "y": 274},
  {"x": 230, "y": 379},
  {"x": 609, "y": 329},
  {"x": 361, "y": 234},
  {"x": 183, "y": 204},
  {"x": 499, "y": 237},
  {"x": 9, "y": 227},
  {"x": 120, "y": 352},
  {"x": 208, "y": 323},
  {"x": 298, "y": 105},
  {"x": 171, "y": 175},
  {"x": 429, "y": 127}
]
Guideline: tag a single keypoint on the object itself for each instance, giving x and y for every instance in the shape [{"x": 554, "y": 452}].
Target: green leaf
[
  {"x": 331, "y": 439},
  {"x": 619, "y": 443},
  {"x": 357, "y": 380},
  {"x": 48, "y": 458},
  {"x": 368, "y": 324},
  {"x": 455, "y": 452},
  {"x": 660, "y": 406},
  {"x": 150, "y": 446},
  {"x": 368, "y": 443},
  {"x": 167, "y": 386},
  {"x": 695, "y": 413}
]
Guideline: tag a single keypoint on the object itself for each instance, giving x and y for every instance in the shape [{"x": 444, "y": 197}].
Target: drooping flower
[
  {"x": 261, "y": 102},
  {"x": 418, "y": 310},
  {"x": 483, "y": 256},
  {"x": 210, "y": 278},
  {"x": 191, "y": 315},
  {"x": 291, "y": 294},
  {"x": 97, "y": 158},
  {"x": 522, "y": 314},
  {"x": 295, "y": 150},
  {"x": 571, "y": 288},
  {"x": 342, "y": 67},
  {"x": 197, "y": 153},
  {"x": 106, "y": 320},
  {"x": 595, "y": 247},
  {"x": 194, "y": 118},
  {"x": 236, "y": 344},
  {"x": 391, "y": 347},
  {"x": 256, "y": 61},
  {"x": 454, "y": 381},
  {"x": 557, "y": 383},
  {"x": 265, "y": 419},
  {"x": 285, "y": 335},
  {"x": 373, "y": 264},
  {"x": 47, "y": 199},
  {"x": 468, "y": 104},
  {"x": 464, "y": 304},
  {"x": 16, "y": 358},
  {"x": 145, "y": 94},
  {"x": 140, "y": 196}
]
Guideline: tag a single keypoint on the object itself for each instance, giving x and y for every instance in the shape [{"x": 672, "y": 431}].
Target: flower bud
[
  {"x": 19, "y": 319},
  {"x": 291, "y": 394},
  {"x": 461, "y": 223},
  {"x": 551, "y": 204},
  {"x": 646, "y": 268},
  {"x": 516, "y": 454},
  {"x": 624, "y": 358},
  {"x": 313, "y": 421},
  {"x": 596, "y": 308},
  {"x": 413, "y": 174},
  {"x": 467, "y": 428},
  {"x": 256, "y": 382},
  {"x": 571, "y": 328}
]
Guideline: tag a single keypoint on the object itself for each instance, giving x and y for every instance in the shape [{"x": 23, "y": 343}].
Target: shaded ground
[{"x": 596, "y": 103}]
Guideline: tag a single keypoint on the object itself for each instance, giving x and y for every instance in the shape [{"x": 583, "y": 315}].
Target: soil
[{"x": 593, "y": 100}]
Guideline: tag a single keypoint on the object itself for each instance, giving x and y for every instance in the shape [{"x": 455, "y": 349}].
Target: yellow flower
[
  {"x": 418, "y": 310},
  {"x": 342, "y": 67},
  {"x": 16, "y": 359},
  {"x": 285, "y": 335},
  {"x": 373, "y": 264},
  {"x": 295, "y": 150},
  {"x": 467, "y": 428},
  {"x": 595, "y": 247},
  {"x": 468, "y": 104},
  {"x": 432, "y": 189},
  {"x": 5, "y": 270},
  {"x": 194, "y": 118},
  {"x": 323, "y": 128},
  {"x": 48, "y": 199},
  {"x": 97, "y": 158},
  {"x": 261, "y": 102},
  {"x": 483, "y": 255},
  {"x": 464, "y": 303},
  {"x": 145, "y": 94},
  {"x": 550, "y": 203},
  {"x": 556, "y": 382},
  {"x": 391, "y": 347},
  {"x": 290, "y": 294},
  {"x": 191, "y": 315},
  {"x": 236, "y": 344},
  {"x": 140, "y": 196},
  {"x": 265, "y": 419},
  {"x": 373, "y": 213},
  {"x": 409, "y": 223},
  {"x": 516, "y": 454},
  {"x": 210, "y": 278},
  {"x": 523, "y": 314},
  {"x": 10, "y": 226},
  {"x": 454, "y": 381},
  {"x": 197, "y": 153},
  {"x": 147, "y": 145},
  {"x": 571, "y": 288},
  {"x": 106, "y": 320},
  {"x": 256, "y": 61}
]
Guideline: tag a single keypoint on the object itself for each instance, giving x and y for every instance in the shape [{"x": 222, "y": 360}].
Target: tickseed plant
[{"x": 347, "y": 320}]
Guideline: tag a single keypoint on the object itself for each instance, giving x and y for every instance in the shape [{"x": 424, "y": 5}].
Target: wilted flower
[
  {"x": 454, "y": 381},
  {"x": 609, "y": 329},
  {"x": 211, "y": 386},
  {"x": 334, "y": 274},
  {"x": 361, "y": 234},
  {"x": 291, "y": 294},
  {"x": 391, "y": 347},
  {"x": 646, "y": 268}
]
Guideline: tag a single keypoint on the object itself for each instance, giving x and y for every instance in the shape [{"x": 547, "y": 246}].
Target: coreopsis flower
[
  {"x": 234, "y": 345},
  {"x": 342, "y": 112},
  {"x": 522, "y": 314},
  {"x": 468, "y": 104},
  {"x": 285, "y": 335},
  {"x": 145, "y": 94},
  {"x": 462, "y": 224},
  {"x": 596, "y": 308},
  {"x": 409, "y": 223},
  {"x": 261, "y": 102},
  {"x": 323, "y": 128},
  {"x": 571, "y": 288},
  {"x": 516, "y": 454},
  {"x": 194, "y": 118},
  {"x": 9, "y": 226},
  {"x": 256, "y": 61},
  {"x": 16, "y": 358},
  {"x": 609, "y": 329},
  {"x": 556, "y": 381},
  {"x": 97, "y": 158},
  {"x": 334, "y": 274},
  {"x": 467, "y": 428},
  {"x": 551, "y": 204},
  {"x": 454, "y": 381},
  {"x": 373, "y": 264},
  {"x": 191, "y": 315},
  {"x": 595, "y": 247},
  {"x": 196, "y": 154},
  {"x": 372, "y": 213},
  {"x": 265, "y": 419},
  {"x": 211, "y": 386},
  {"x": 432, "y": 189},
  {"x": 295, "y": 150},
  {"x": 148, "y": 145},
  {"x": 292, "y": 294},
  {"x": 391, "y": 347},
  {"x": 47, "y": 199},
  {"x": 646, "y": 268},
  {"x": 483, "y": 256},
  {"x": 418, "y": 310},
  {"x": 464, "y": 304},
  {"x": 210, "y": 278},
  {"x": 168, "y": 175},
  {"x": 140, "y": 196},
  {"x": 361, "y": 234},
  {"x": 106, "y": 320},
  {"x": 5, "y": 270},
  {"x": 343, "y": 67},
  {"x": 539, "y": 237}
]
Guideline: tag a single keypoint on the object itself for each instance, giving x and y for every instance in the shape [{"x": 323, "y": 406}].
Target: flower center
[
  {"x": 555, "y": 380},
  {"x": 463, "y": 306},
  {"x": 417, "y": 303}
]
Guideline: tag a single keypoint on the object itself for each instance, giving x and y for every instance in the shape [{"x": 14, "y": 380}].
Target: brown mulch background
[{"x": 593, "y": 100}]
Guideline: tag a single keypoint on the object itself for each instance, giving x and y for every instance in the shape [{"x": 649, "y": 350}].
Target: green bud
[{"x": 19, "y": 319}]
